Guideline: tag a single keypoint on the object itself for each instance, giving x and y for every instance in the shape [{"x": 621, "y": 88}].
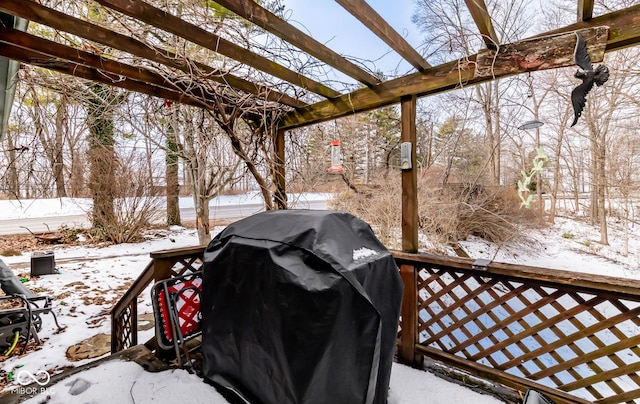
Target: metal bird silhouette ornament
[{"x": 588, "y": 76}]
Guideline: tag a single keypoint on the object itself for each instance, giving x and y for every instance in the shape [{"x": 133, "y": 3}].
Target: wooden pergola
[
  {"x": 553, "y": 49},
  {"x": 548, "y": 50}
]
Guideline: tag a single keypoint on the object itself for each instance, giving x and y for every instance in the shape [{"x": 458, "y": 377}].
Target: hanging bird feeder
[
  {"x": 336, "y": 158},
  {"x": 533, "y": 123}
]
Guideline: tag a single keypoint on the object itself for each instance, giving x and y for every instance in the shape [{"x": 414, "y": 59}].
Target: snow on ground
[
  {"x": 567, "y": 245},
  {"x": 90, "y": 279},
  {"x": 124, "y": 382},
  {"x": 27, "y": 208}
]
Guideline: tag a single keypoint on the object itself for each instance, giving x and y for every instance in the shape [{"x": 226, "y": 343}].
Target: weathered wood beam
[
  {"x": 482, "y": 19},
  {"x": 168, "y": 22},
  {"x": 66, "y": 23},
  {"x": 585, "y": 10},
  {"x": 73, "y": 69},
  {"x": 540, "y": 53},
  {"x": 372, "y": 20},
  {"x": 624, "y": 31},
  {"x": 54, "y": 54},
  {"x": 252, "y": 11}
]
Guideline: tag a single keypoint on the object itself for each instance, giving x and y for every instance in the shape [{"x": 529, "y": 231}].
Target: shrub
[{"x": 447, "y": 214}]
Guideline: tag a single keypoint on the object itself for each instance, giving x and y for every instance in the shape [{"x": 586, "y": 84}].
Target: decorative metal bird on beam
[{"x": 587, "y": 75}]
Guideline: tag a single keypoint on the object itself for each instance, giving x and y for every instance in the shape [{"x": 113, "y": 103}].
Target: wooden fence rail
[{"x": 574, "y": 336}]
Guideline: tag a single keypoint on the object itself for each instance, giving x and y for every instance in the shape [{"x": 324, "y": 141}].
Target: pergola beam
[
  {"x": 482, "y": 19},
  {"x": 251, "y": 11},
  {"x": 585, "y": 10},
  {"x": 42, "y": 60},
  {"x": 54, "y": 54},
  {"x": 372, "y": 20},
  {"x": 623, "y": 32},
  {"x": 75, "y": 26},
  {"x": 161, "y": 19}
]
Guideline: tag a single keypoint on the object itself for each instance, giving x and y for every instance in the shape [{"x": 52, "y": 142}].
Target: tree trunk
[
  {"x": 496, "y": 150},
  {"x": 602, "y": 181},
  {"x": 77, "y": 180},
  {"x": 196, "y": 167},
  {"x": 51, "y": 145},
  {"x": 101, "y": 180},
  {"x": 595, "y": 178},
  {"x": 202, "y": 219},
  {"x": 57, "y": 161},
  {"x": 101, "y": 156},
  {"x": 14, "y": 183},
  {"x": 171, "y": 174},
  {"x": 236, "y": 145},
  {"x": 279, "y": 173},
  {"x": 556, "y": 177}
]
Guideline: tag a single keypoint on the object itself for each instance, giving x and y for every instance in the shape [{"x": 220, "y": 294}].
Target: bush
[
  {"x": 447, "y": 214},
  {"x": 136, "y": 204}
]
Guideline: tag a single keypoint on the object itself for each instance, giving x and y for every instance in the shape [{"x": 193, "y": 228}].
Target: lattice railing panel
[
  {"x": 164, "y": 264},
  {"x": 584, "y": 342},
  {"x": 125, "y": 338},
  {"x": 186, "y": 264}
]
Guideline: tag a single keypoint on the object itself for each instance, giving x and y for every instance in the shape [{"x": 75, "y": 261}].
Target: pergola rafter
[
  {"x": 482, "y": 19},
  {"x": 624, "y": 31},
  {"x": 41, "y": 52},
  {"x": 168, "y": 22},
  {"x": 585, "y": 10},
  {"x": 252, "y": 11},
  {"x": 41, "y": 59},
  {"x": 83, "y": 29},
  {"x": 379, "y": 26}
]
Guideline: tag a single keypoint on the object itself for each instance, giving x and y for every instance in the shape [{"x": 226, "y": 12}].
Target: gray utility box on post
[{"x": 43, "y": 263}]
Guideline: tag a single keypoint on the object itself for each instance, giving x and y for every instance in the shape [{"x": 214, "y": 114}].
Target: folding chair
[
  {"x": 176, "y": 308},
  {"x": 21, "y": 317}
]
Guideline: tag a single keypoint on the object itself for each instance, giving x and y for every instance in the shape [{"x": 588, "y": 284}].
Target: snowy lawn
[{"x": 90, "y": 279}]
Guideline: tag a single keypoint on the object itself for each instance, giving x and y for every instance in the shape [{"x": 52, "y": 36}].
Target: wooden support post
[
  {"x": 280, "y": 195},
  {"x": 408, "y": 273},
  {"x": 409, "y": 177},
  {"x": 409, "y": 314},
  {"x": 163, "y": 269}
]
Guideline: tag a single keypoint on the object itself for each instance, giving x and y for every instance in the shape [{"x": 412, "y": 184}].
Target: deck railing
[
  {"x": 164, "y": 264},
  {"x": 573, "y": 336}
]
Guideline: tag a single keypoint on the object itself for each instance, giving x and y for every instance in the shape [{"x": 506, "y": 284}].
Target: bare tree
[
  {"x": 171, "y": 168},
  {"x": 449, "y": 30},
  {"x": 43, "y": 101},
  {"x": 209, "y": 165}
]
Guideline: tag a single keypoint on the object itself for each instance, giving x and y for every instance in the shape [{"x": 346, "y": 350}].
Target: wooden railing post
[{"x": 409, "y": 313}]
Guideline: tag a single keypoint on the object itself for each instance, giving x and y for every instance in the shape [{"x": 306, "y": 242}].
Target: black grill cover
[{"x": 300, "y": 306}]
